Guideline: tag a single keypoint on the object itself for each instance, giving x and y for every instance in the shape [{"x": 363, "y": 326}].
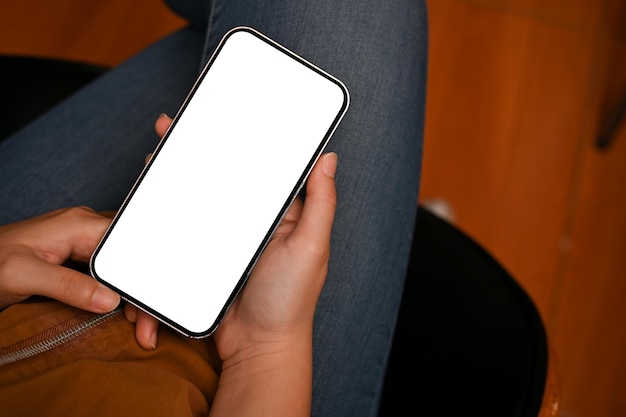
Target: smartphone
[{"x": 240, "y": 148}]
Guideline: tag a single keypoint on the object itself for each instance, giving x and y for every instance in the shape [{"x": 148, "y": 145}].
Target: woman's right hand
[{"x": 32, "y": 254}]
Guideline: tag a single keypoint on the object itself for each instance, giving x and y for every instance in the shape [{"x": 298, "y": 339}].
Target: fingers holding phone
[
  {"x": 220, "y": 182},
  {"x": 32, "y": 254}
]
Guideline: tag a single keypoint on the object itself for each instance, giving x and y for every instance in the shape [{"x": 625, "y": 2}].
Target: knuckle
[
  {"x": 83, "y": 221},
  {"x": 327, "y": 203},
  {"x": 314, "y": 250},
  {"x": 11, "y": 264},
  {"x": 77, "y": 212},
  {"x": 66, "y": 217},
  {"x": 67, "y": 284},
  {"x": 330, "y": 199},
  {"x": 71, "y": 211}
]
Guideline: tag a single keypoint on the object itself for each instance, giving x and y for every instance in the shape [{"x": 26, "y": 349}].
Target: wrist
[
  {"x": 263, "y": 353},
  {"x": 268, "y": 378}
]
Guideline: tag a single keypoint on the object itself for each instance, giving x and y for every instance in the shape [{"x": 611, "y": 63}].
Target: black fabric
[
  {"x": 30, "y": 86},
  {"x": 469, "y": 341}
]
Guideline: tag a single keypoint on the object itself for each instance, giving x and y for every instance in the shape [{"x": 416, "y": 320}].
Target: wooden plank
[
  {"x": 589, "y": 314},
  {"x": 502, "y": 133}
]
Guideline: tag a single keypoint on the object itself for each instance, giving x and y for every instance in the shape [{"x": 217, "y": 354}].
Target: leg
[
  {"x": 379, "y": 51},
  {"x": 89, "y": 149}
]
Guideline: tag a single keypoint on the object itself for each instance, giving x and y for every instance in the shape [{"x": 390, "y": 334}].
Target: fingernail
[
  {"x": 162, "y": 115},
  {"x": 329, "y": 164},
  {"x": 153, "y": 340},
  {"x": 104, "y": 299},
  {"x": 131, "y": 314}
]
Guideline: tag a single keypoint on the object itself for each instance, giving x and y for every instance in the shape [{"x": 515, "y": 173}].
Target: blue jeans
[{"x": 89, "y": 150}]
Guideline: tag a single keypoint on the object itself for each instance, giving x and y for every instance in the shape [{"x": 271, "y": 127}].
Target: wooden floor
[{"x": 518, "y": 92}]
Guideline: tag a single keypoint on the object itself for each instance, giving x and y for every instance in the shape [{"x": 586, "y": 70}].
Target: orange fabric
[{"x": 103, "y": 371}]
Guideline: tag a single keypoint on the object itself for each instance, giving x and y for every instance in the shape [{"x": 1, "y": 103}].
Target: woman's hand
[
  {"x": 266, "y": 339},
  {"x": 32, "y": 254},
  {"x": 280, "y": 296}
]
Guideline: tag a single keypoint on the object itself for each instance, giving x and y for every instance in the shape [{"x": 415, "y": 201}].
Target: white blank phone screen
[{"x": 219, "y": 182}]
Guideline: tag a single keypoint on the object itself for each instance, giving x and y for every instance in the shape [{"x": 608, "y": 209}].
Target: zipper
[{"x": 22, "y": 351}]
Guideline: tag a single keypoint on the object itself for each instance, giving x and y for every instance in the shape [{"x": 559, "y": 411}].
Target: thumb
[{"x": 320, "y": 203}]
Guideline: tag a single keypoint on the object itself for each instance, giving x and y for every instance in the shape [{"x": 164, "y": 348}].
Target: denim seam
[{"x": 207, "y": 39}]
